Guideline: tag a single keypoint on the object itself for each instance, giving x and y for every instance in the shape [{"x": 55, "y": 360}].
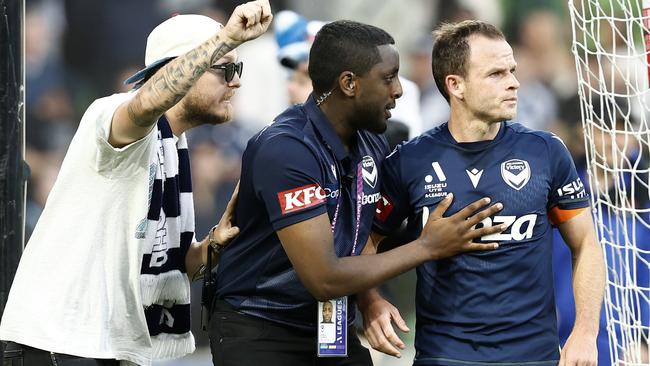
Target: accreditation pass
[{"x": 333, "y": 328}]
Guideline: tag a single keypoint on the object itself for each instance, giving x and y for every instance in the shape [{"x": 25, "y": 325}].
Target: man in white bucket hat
[{"x": 104, "y": 277}]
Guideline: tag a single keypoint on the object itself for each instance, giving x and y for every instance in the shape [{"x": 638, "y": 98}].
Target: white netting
[{"x": 611, "y": 56}]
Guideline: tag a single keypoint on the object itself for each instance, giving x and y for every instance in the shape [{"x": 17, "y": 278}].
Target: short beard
[
  {"x": 363, "y": 121},
  {"x": 196, "y": 114}
]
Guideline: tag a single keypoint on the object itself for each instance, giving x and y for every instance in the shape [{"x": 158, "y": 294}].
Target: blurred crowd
[{"x": 78, "y": 50}]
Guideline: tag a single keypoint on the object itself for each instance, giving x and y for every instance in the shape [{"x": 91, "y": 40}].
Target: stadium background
[{"x": 78, "y": 50}]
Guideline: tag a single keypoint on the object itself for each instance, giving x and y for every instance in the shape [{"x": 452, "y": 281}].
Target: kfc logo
[{"x": 300, "y": 198}]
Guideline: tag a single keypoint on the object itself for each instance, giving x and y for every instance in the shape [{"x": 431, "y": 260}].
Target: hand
[
  {"x": 579, "y": 350},
  {"x": 248, "y": 21},
  {"x": 377, "y": 316},
  {"x": 225, "y": 230},
  {"x": 447, "y": 236}
]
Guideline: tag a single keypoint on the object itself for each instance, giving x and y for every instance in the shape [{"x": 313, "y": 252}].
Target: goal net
[{"x": 611, "y": 39}]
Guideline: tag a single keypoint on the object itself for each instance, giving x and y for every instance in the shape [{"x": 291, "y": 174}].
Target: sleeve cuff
[{"x": 297, "y": 217}]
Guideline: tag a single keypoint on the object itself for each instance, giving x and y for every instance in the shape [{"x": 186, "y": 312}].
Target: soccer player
[
  {"x": 494, "y": 307},
  {"x": 309, "y": 188}
]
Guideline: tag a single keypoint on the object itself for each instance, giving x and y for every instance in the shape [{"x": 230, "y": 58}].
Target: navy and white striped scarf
[{"x": 168, "y": 232}]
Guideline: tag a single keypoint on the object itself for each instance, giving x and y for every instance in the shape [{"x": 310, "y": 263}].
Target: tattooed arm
[{"x": 135, "y": 118}]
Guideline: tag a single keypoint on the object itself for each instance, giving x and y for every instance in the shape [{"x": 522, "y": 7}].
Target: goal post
[
  {"x": 12, "y": 138},
  {"x": 611, "y": 43}
]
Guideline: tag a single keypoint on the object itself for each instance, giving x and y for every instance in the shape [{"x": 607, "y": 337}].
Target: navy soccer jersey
[
  {"x": 296, "y": 169},
  {"x": 496, "y": 306}
]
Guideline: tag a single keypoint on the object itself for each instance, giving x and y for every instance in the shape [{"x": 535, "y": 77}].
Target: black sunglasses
[{"x": 230, "y": 69}]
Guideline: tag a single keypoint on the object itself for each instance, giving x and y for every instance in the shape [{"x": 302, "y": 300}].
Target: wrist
[
  {"x": 216, "y": 245},
  {"x": 428, "y": 252},
  {"x": 228, "y": 42},
  {"x": 365, "y": 298},
  {"x": 584, "y": 332},
  {"x": 218, "y": 46}
]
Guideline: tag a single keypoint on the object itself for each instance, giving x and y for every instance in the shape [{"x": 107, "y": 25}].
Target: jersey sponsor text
[
  {"x": 301, "y": 198},
  {"x": 575, "y": 189},
  {"x": 517, "y": 228}
]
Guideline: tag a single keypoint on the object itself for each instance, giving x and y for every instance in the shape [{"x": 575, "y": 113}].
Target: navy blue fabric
[
  {"x": 173, "y": 260},
  {"x": 300, "y": 149},
  {"x": 184, "y": 173},
  {"x": 172, "y": 320},
  {"x": 164, "y": 128},
  {"x": 156, "y": 202},
  {"x": 495, "y": 306},
  {"x": 171, "y": 198}
]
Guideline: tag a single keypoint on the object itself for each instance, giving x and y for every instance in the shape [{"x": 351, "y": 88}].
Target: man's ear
[
  {"x": 348, "y": 83},
  {"x": 455, "y": 85}
]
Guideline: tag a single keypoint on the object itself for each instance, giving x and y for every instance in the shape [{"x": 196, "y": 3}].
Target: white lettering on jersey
[
  {"x": 575, "y": 189},
  {"x": 300, "y": 198},
  {"x": 367, "y": 199},
  {"x": 438, "y": 170},
  {"x": 514, "y": 227},
  {"x": 513, "y": 231},
  {"x": 331, "y": 193}
]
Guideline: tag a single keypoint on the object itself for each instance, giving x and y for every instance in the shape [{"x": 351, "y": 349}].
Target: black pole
[{"x": 12, "y": 143}]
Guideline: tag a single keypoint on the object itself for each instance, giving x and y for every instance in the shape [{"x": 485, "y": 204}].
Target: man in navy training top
[
  {"x": 309, "y": 188},
  {"x": 494, "y": 307}
]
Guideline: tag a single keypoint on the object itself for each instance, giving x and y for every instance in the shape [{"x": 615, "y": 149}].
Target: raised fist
[{"x": 248, "y": 21}]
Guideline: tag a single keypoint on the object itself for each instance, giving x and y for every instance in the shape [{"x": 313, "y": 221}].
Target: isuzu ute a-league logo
[
  {"x": 516, "y": 173},
  {"x": 369, "y": 171}
]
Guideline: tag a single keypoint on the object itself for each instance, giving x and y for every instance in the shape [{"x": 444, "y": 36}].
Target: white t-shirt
[{"x": 77, "y": 288}]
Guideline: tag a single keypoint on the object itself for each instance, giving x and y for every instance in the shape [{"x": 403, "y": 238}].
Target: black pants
[
  {"x": 238, "y": 339},
  {"x": 20, "y": 355}
]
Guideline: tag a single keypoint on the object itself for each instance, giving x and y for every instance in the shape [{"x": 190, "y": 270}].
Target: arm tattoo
[{"x": 171, "y": 83}]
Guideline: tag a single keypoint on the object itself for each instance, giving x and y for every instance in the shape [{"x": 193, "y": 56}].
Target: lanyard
[{"x": 359, "y": 206}]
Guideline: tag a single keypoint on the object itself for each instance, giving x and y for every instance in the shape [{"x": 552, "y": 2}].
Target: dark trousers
[
  {"x": 20, "y": 355},
  {"x": 238, "y": 339}
]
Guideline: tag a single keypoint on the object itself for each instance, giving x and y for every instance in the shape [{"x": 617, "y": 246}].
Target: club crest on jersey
[
  {"x": 369, "y": 171},
  {"x": 516, "y": 173}
]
